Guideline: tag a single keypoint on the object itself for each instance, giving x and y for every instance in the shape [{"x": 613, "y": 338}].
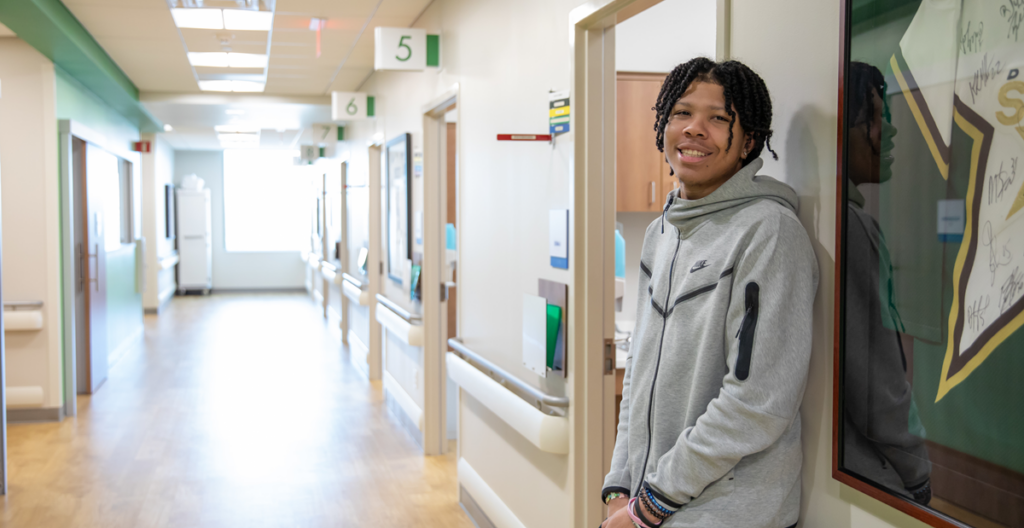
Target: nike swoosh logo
[{"x": 698, "y": 266}]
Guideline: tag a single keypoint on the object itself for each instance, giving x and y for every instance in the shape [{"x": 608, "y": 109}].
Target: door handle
[{"x": 96, "y": 268}]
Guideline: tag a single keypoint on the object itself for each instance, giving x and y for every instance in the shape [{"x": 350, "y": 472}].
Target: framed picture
[
  {"x": 930, "y": 260},
  {"x": 169, "y": 218},
  {"x": 398, "y": 203}
]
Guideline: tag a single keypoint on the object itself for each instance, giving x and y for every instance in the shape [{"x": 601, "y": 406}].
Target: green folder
[{"x": 554, "y": 324}]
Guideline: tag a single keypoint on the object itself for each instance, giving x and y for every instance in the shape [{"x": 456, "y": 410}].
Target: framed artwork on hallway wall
[
  {"x": 398, "y": 204},
  {"x": 930, "y": 259}
]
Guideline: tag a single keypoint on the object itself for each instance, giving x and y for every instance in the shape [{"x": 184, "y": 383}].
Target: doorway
[
  {"x": 440, "y": 259},
  {"x": 608, "y": 192}
]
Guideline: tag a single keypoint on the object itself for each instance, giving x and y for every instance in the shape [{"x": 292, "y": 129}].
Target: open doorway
[
  {"x": 440, "y": 259},
  {"x": 618, "y": 69}
]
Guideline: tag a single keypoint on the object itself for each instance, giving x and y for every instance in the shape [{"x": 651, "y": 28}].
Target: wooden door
[
  {"x": 100, "y": 168},
  {"x": 642, "y": 174}
]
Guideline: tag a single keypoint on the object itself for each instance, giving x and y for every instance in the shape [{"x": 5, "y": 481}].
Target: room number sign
[
  {"x": 350, "y": 106},
  {"x": 400, "y": 49}
]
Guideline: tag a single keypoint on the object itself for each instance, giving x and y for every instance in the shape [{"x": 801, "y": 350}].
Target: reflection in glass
[{"x": 932, "y": 402}]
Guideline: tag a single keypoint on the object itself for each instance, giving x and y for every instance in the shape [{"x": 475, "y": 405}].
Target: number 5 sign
[
  {"x": 404, "y": 49},
  {"x": 351, "y": 106}
]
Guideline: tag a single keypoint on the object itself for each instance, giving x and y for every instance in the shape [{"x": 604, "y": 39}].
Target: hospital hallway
[{"x": 239, "y": 410}]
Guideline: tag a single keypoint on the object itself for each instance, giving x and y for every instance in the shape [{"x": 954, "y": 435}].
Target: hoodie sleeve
[{"x": 768, "y": 350}]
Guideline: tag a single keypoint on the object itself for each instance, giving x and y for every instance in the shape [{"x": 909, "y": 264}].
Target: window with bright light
[{"x": 266, "y": 201}]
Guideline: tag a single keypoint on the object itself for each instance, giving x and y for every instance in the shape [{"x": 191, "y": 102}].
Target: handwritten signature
[
  {"x": 995, "y": 259},
  {"x": 1013, "y": 286},
  {"x": 986, "y": 73},
  {"x": 1014, "y": 14},
  {"x": 976, "y": 313},
  {"x": 970, "y": 41},
  {"x": 1001, "y": 181}
]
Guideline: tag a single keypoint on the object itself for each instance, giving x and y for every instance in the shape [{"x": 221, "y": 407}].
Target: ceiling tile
[{"x": 126, "y": 22}]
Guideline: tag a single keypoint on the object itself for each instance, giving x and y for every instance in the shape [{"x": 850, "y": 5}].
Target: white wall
[
  {"x": 666, "y": 35},
  {"x": 506, "y": 56},
  {"x": 157, "y": 171},
  {"x": 237, "y": 270},
  {"x": 794, "y": 46},
  {"x": 31, "y": 213}
]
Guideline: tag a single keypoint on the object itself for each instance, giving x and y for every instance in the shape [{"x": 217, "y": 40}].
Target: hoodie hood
[{"x": 742, "y": 188}]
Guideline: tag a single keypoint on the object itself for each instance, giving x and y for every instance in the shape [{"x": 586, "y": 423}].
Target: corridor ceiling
[{"x": 143, "y": 40}]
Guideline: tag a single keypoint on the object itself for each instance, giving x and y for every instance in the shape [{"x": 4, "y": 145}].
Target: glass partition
[{"x": 931, "y": 349}]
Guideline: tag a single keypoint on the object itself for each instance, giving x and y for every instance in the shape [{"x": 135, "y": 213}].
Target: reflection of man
[{"x": 877, "y": 440}]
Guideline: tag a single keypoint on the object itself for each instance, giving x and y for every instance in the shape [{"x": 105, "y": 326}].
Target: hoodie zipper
[{"x": 657, "y": 367}]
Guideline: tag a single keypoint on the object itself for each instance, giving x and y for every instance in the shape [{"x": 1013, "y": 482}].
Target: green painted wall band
[
  {"x": 51, "y": 29},
  {"x": 433, "y": 50}
]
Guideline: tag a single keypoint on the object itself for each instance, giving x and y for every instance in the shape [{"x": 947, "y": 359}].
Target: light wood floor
[{"x": 239, "y": 411}]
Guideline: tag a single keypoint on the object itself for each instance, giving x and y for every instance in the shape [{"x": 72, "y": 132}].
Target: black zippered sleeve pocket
[{"x": 746, "y": 333}]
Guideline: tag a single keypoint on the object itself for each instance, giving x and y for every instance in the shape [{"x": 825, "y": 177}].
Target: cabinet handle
[{"x": 652, "y": 194}]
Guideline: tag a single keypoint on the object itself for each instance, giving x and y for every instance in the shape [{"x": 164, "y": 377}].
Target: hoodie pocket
[{"x": 746, "y": 333}]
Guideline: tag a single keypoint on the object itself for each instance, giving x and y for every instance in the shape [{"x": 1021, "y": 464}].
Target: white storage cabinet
[{"x": 195, "y": 243}]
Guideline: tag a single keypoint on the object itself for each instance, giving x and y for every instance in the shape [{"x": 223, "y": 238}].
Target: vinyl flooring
[{"x": 235, "y": 411}]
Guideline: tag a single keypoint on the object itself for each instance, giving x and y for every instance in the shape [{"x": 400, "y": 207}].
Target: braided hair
[
  {"x": 865, "y": 79},
  {"x": 743, "y": 88}
]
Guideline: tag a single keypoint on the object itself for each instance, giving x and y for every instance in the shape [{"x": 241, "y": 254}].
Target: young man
[{"x": 709, "y": 427}]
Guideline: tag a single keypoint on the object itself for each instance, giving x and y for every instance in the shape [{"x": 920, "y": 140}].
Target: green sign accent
[
  {"x": 51, "y": 29},
  {"x": 323, "y": 151},
  {"x": 433, "y": 50},
  {"x": 341, "y": 133},
  {"x": 369, "y": 106}
]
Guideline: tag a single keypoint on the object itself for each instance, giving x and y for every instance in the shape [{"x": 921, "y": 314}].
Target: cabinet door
[{"x": 638, "y": 163}]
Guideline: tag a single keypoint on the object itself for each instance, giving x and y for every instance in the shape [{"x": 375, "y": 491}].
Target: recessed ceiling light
[
  {"x": 242, "y": 20},
  {"x": 168, "y": 128},
  {"x": 236, "y": 129},
  {"x": 198, "y": 18},
  {"x": 231, "y": 86},
  {"x": 220, "y": 59}
]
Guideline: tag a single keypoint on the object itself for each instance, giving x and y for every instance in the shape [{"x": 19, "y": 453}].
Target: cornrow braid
[{"x": 744, "y": 90}]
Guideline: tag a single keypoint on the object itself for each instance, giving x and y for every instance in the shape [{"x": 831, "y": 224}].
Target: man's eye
[
  {"x": 682, "y": 112},
  {"x": 722, "y": 118}
]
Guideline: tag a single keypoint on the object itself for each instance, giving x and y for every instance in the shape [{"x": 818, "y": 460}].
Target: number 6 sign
[
  {"x": 351, "y": 106},
  {"x": 400, "y": 49}
]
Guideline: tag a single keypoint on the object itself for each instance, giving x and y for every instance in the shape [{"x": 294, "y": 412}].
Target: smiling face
[{"x": 697, "y": 141}]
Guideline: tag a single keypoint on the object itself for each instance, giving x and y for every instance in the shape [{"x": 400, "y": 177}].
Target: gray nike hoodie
[{"x": 709, "y": 420}]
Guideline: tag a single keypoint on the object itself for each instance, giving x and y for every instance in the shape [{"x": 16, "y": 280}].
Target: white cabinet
[{"x": 195, "y": 241}]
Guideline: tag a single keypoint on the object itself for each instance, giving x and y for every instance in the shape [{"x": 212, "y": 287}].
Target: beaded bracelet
[
  {"x": 658, "y": 512},
  {"x": 654, "y": 506}
]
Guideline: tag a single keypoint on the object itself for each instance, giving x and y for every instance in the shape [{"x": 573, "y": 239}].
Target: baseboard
[
  {"x": 162, "y": 300},
  {"x": 358, "y": 353},
  {"x": 45, "y": 414},
  {"x": 120, "y": 351},
  {"x": 473, "y": 511},
  {"x": 485, "y": 504}
]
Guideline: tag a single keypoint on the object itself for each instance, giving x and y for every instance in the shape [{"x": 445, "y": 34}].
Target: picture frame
[
  {"x": 169, "y": 212},
  {"x": 398, "y": 204},
  {"x": 921, "y": 362}
]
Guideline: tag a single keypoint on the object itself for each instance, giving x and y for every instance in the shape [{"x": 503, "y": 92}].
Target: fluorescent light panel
[
  {"x": 220, "y": 59},
  {"x": 231, "y": 86},
  {"x": 240, "y": 20},
  {"x": 198, "y": 18},
  {"x": 230, "y": 19}
]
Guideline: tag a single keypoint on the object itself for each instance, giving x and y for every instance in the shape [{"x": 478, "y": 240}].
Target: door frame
[
  {"x": 375, "y": 260},
  {"x": 435, "y": 302},
  {"x": 67, "y": 130},
  {"x": 592, "y": 266}
]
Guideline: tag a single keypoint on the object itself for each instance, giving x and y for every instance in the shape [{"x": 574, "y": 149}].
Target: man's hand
[{"x": 617, "y": 516}]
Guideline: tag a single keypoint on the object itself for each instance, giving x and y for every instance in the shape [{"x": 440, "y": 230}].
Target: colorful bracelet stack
[
  {"x": 647, "y": 511},
  {"x": 612, "y": 496}
]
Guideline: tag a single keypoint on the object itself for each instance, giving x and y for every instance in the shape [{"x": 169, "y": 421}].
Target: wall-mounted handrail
[
  {"x": 352, "y": 280},
  {"x": 505, "y": 377},
  {"x": 327, "y": 266},
  {"x": 550, "y": 433},
  {"x": 399, "y": 311},
  {"x": 23, "y": 305},
  {"x": 395, "y": 323}
]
